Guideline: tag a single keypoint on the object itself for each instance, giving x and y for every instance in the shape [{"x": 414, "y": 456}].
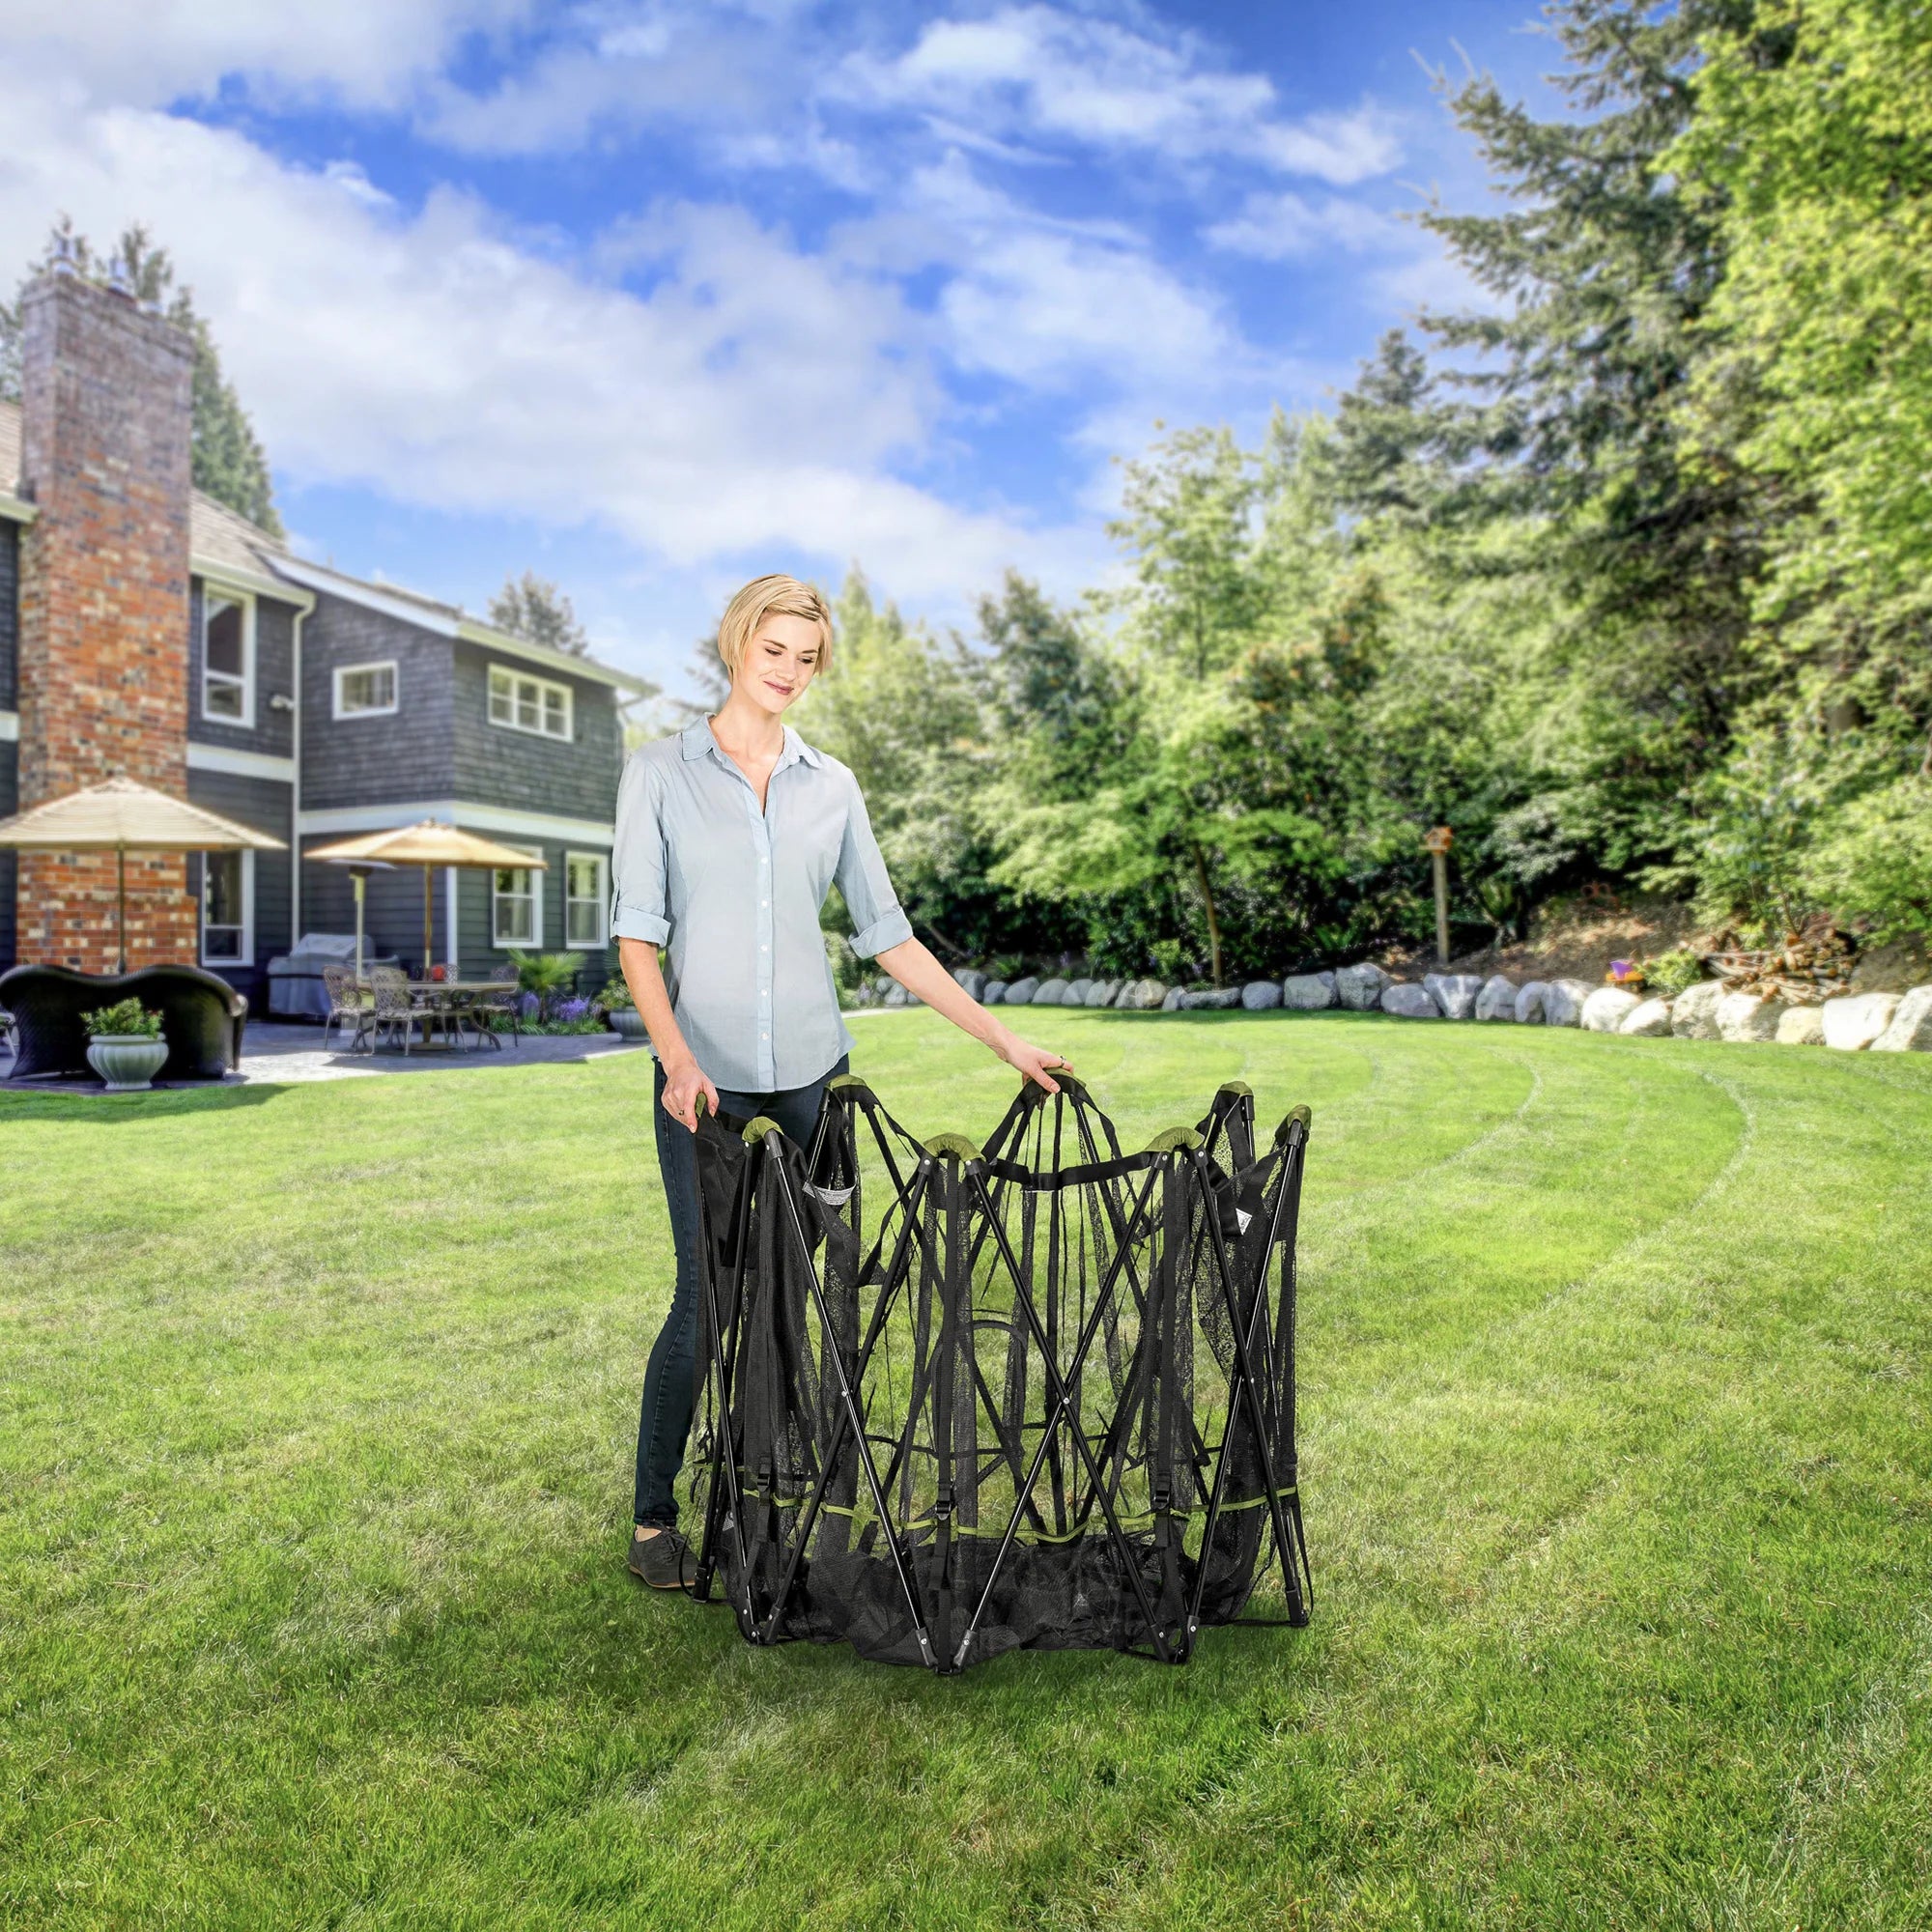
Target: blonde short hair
[{"x": 759, "y": 599}]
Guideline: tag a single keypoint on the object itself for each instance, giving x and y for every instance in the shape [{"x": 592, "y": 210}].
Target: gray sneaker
[{"x": 663, "y": 1561}]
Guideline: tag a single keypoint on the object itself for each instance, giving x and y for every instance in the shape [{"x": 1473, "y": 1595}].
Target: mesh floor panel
[{"x": 959, "y": 1400}]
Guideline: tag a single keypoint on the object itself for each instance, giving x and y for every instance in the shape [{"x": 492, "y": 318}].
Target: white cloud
[
  {"x": 1051, "y": 304},
  {"x": 611, "y": 69},
  {"x": 1042, "y": 73},
  {"x": 365, "y": 52},
  {"x": 1279, "y": 227},
  {"x": 754, "y": 397}
]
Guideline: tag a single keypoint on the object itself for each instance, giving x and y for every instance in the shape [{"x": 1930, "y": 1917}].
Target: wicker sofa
[{"x": 202, "y": 1017}]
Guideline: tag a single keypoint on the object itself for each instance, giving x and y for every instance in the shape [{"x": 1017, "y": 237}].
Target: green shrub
[
  {"x": 126, "y": 1019},
  {"x": 1669, "y": 973},
  {"x": 1873, "y": 858},
  {"x": 547, "y": 975}
]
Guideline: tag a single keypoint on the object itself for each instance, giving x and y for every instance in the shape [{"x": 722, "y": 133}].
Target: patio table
[{"x": 449, "y": 999}]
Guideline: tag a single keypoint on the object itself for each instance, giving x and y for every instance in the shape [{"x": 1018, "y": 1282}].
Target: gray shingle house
[{"x": 317, "y": 705}]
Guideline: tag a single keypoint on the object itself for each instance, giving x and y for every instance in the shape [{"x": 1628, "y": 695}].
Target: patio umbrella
[
  {"x": 428, "y": 845},
  {"x": 120, "y": 817}
]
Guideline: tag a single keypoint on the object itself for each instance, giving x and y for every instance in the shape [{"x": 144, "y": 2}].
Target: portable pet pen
[{"x": 959, "y": 1401}]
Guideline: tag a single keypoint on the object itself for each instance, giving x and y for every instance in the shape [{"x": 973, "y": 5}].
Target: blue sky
[{"x": 649, "y": 295}]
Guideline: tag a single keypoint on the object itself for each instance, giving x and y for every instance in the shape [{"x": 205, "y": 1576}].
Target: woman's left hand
[{"x": 1032, "y": 1062}]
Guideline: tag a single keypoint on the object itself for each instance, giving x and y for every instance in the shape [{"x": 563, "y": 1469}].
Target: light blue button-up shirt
[{"x": 733, "y": 894}]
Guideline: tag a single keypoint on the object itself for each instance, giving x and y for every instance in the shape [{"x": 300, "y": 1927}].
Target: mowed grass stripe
[{"x": 314, "y": 1471}]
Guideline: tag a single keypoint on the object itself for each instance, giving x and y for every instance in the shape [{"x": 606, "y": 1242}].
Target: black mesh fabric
[{"x": 961, "y": 1400}]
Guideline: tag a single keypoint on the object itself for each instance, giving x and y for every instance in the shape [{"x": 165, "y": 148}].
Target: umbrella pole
[
  {"x": 121, "y": 895},
  {"x": 428, "y": 873},
  {"x": 361, "y": 890}
]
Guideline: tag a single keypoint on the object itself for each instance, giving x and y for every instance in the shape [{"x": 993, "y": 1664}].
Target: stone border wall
[{"x": 1853, "y": 1023}]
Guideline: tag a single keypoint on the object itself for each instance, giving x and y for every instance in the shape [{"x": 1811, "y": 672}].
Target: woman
[{"x": 728, "y": 838}]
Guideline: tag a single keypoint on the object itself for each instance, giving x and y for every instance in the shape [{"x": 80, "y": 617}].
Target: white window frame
[
  {"x": 504, "y": 683},
  {"x": 212, "y": 594},
  {"x": 600, "y": 899},
  {"x": 497, "y": 940},
  {"x": 388, "y": 710},
  {"x": 246, "y": 956}
]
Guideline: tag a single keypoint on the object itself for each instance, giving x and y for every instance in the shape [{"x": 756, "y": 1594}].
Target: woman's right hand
[{"x": 683, "y": 1084}]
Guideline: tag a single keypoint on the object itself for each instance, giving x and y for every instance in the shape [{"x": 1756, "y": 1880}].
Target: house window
[
  {"x": 515, "y": 906},
  {"x": 227, "y": 658},
  {"x": 587, "y": 893},
  {"x": 365, "y": 691},
  {"x": 529, "y": 703},
  {"x": 227, "y": 908}
]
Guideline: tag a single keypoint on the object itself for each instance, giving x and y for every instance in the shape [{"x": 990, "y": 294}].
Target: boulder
[
  {"x": 1911, "y": 1028},
  {"x": 1456, "y": 993},
  {"x": 898, "y": 997},
  {"x": 1800, "y": 1026},
  {"x": 1212, "y": 999},
  {"x": 1141, "y": 996},
  {"x": 1048, "y": 993},
  {"x": 1607, "y": 1008},
  {"x": 1563, "y": 1002},
  {"x": 972, "y": 979},
  {"x": 1529, "y": 1002},
  {"x": 1103, "y": 993},
  {"x": 1498, "y": 999},
  {"x": 1743, "y": 1017},
  {"x": 1257, "y": 996},
  {"x": 995, "y": 994},
  {"x": 1409, "y": 1002},
  {"x": 1359, "y": 988},
  {"x": 1172, "y": 1000},
  {"x": 1308, "y": 992},
  {"x": 1020, "y": 993},
  {"x": 1076, "y": 993},
  {"x": 1649, "y": 1019},
  {"x": 1694, "y": 1013},
  {"x": 1854, "y": 1021}
]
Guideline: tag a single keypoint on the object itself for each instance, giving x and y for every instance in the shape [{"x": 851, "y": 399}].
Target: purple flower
[
  {"x": 571, "y": 1010},
  {"x": 529, "y": 1004}
]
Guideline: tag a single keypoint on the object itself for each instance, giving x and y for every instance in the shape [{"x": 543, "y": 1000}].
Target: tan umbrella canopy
[
  {"x": 120, "y": 817},
  {"x": 430, "y": 843}
]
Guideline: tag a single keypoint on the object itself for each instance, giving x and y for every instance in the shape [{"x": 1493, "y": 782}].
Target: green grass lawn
[{"x": 317, "y": 1408}]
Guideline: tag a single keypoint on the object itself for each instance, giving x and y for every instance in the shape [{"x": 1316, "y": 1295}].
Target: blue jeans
[{"x": 670, "y": 1382}]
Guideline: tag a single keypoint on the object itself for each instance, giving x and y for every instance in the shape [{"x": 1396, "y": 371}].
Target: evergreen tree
[
  {"x": 1602, "y": 271},
  {"x": 226, "y": 462},
  {"x": 534, "y": 608}
]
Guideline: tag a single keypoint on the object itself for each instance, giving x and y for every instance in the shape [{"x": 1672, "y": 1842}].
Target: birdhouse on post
[{"x": 1437, "y": 843}]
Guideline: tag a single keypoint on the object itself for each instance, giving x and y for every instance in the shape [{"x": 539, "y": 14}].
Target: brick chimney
[{"x": 104, "y": 648}]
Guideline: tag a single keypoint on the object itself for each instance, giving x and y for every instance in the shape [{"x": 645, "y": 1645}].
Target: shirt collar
[{"x": 694, "y": 740}]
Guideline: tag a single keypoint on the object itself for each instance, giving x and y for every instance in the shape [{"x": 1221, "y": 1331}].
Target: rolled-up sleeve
[
  {"x": 877, "y": 923},
  {"x": 638, "y": 861}
]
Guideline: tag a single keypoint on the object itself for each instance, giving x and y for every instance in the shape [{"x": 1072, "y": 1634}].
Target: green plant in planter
[
  {"x": 616, "y": 996},
  {"x": 126, "y": 1019},
  {"x": 124, "y": 1045}
]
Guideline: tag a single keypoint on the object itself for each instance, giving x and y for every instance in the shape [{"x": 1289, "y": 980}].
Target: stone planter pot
[
  {"x": 628, "y": 1021},
  {"x": 126, "y": 1062}
]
